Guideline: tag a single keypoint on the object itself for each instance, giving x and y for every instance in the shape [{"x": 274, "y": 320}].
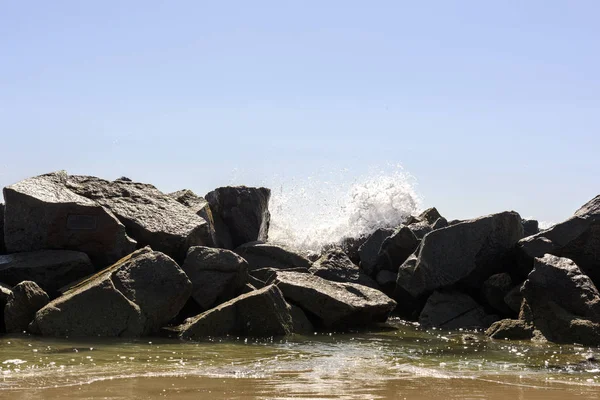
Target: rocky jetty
[{"x": 84, "y": 256}]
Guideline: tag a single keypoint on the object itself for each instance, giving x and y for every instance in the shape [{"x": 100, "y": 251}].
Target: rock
[
  {"x": 302, "y": 325},
  {"x": 334, "y": 265},
  {"x": 268, "y": 274},
  {"x": 199, "y": 206},
  {"x": 420, "y": 229},
  {"x": 440, "y": 223},
  {"x": 260, "y": 313},
  {"x": 396, "y": 249},
  {"x": 2, "y": 246},
  {"x": 562, "y": 302},
  {"x": 465, "y": 254},
  {"x": 217, "y": 275},
  {"x": 387, "y": 281},
  {"x": 409, "y": 307},
  {"x": 514, "y": 298},
  {"x": 266, "y": 255},
  {"x": 5, "y": 291},
  {"x": 332, "y": 304},
  {"x": 495, "y": 289},
  {"x": 50, "y": 269},
  {"x": 351, "y": 246},
  {"x": 577, "y": 238},
  {"x": 453, "y": 310},
  {"x": 241, "y": 213},
  {"x": 135, "y": 296},
  {"x": 44, "y": 213},
  {"x": 369, "y": 250},
  {"x": 431, "y": 215},
  {"x": 510, "y": 329},
  {"x": 530, "y": 227},
  {"x": 150, "y": 216},
  {"x": 24, "y": 301}
]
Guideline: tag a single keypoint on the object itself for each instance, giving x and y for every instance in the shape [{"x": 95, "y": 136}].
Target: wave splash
[{"x": 310, "y": 213}]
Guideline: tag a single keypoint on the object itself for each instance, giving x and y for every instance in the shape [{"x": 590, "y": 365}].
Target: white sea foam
[{"x": 307, "y": 214}]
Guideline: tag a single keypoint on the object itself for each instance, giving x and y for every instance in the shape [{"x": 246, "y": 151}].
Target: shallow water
[{"x": 403, "y": 362}]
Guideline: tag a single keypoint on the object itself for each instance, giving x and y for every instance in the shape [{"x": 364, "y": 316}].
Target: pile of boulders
[{"x": 83, "y": 256}]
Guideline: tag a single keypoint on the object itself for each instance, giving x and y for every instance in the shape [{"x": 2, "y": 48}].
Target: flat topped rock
[
  {"x": 44, "y": 213},
  {"x": 199, "y": 206},
  {"x": 135, "y": 296},
  {"x": 50, "y": 269},
  {"x": 150, "y": 216},
  {"x": 334, "y": 265},
  {"x": 268, "y": 255},
  {"x": 333, "y": 304}
]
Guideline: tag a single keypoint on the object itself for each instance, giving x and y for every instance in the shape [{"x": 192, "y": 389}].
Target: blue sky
[{"x": 490, "y": 105}]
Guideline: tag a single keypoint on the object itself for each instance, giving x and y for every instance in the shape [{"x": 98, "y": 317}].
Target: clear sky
[{"x": 490, "y": 105}]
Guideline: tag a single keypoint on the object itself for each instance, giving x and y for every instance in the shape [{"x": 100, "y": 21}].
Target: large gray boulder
[
  {"x": 50, "y": 269},
  {"x": 2, "y": 246},
  {"x": 151, "y": 217},
  {"x": 369, "y": 250},
  {"x": 241, "y": 213},
  {"x": 260, "y": 313},
  {"x": 199, "y": 206},
  {"x": 136, "y": 296},
  {"x": 464, "y": 254},
  {"x": 23, "y": 302},
  {"x": 334, "y": 265},
  {"x": 396, "y": 249},
  {"x": 217, "y": 275},
  {"x": 267, "y": 255},
  {"x": 562, "y": 302},
  {"x": 332, "y": 304},
  {"x": 454, "y": 310},
  {"x": 577, "y": 238},
  {"x": 44, "y": 213}
]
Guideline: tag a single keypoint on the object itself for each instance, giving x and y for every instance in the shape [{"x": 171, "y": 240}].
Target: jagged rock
[
  {"x": 334, "y": 265},
  {"x": 511, "y": 329},
  {"x": 395, "y": 249},
  {"x": 577, "y": 238},
  {"x": 266, "y": 255},
  {"x": 135, "y": 296},
  {"x": 453, "y": 310},
  {"x": 351, "y": 246},
  {"x": 44, "y": 213},
  {"x": 562, "y": 302},
  {"x": 302, "y": 324},
  {"x": 530, "y": 227},
  {"x": 332, "y": 304},
  {"x": 5, "y": 291},
  {"x": 50, "y": 269},
  {"x": 268, "y": 274},
  {"x": 439, "y": 224},
  {"x": 495, "y": 289},
  {"x": 431, "y": 215},
  {"x": 217, "y": 275},
  {"x": 465, "y": 254},
  {"x": 23, "y": 302},
  {"x": 369, "y": 250},
  {"x": 514, "y": 298},
  {"x": 199, "y": 206},
  {"x": 241, "y": 213},
  {"x": 260, "y": 313},
  {"x": 409, "y": 307},
  {"x": 150, "y": 216},
  {"x": 2, "y": 246}
]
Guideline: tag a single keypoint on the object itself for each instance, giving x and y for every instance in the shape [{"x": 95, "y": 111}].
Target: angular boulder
[
  {"x": 562, "y": 302},
  {"x": 396, "y": 249},
  {"x": 2, "y": 246},
  {"x": 267, "y": 255},
  {"x": 44, "y": 213},
  {"x": 511, "y": 329},
  {"x": 332, "y": 304},
  {"x": 136, "y": 296},
  {"x": 261, "y": 313},
  {"x": 241, "y": 213},
  {"x": 453, "y": 310},
  {"x": 50, "y": 269},
  {"x": 151, "y": 217},
  {"x": 199, "y": 206},
  {"x": 22, "y": 304},
  {"x": 334, "y": 265},
  {"x": 369, "y": 250},
  {"x": 465, "y": 254},
  {"x": 530, "y": 227},
  {"x": 577, "y": 238},
  {"x": 217, "y": 275}
]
